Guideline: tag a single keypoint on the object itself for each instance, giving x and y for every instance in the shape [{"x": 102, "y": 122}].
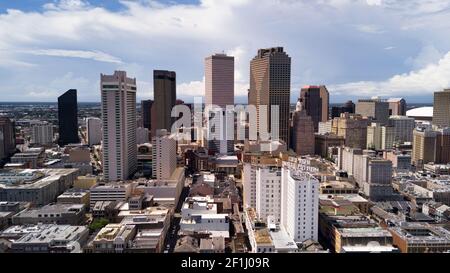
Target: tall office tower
[
  {"x": 302, "y": 131},
  {"x": 397, "y": 106},
  {"x": 7, "y": 138},
  {"x": 270, "y": 84},
  {"x": 146, "y": 113},
  {"x": 374, "y": 108},
  {"x": 424, "y": 147},
  {"x": 316, "y": 100},
  {"x": 165, "y": 96},
  {"x": 443, "y": 146},
  {"x": 403, "y": 127},
  {"x": 94, "y": 131},
  {"x": 348, "y": 107},
  {"x": 353, "y": 128},
  {"x": 441, "y": 108},
  {"x": 299, "y": 204},
  {"x": 219, "y": 80},
  {"x": 219, "y": 90},
  {"x": 164, "y": 155},
  {"x": 268, "y": 192},
  {"x": 42, "y": 134},
  {"x": 119, "y": 126},
  {"x": 68, "y": 118}
]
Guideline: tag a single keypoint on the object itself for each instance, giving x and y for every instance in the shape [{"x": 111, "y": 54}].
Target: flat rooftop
[
  {"x": 31, "y": 178},
  {"x": 281, "y": 240}
]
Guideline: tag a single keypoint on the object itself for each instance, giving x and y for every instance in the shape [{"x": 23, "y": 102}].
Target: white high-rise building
[
  {"x": 42, "y": 134},
  {"x": 299, "y": 204},
  {"x": 249, "y": 184},
  {"x": 119, "y": 126},
  {"x": 164, "y": 155},
  {"x": 94, "y": 131},
  {"x": 268, "y": 192}
]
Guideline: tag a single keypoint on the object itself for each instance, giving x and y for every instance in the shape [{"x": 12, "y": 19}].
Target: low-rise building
[
  {"x": 32, "y": 158},
  {"x": 164, "y": 191},
  {"x": 421, "y": 238},
  {"x": 61, "y": 214},
  {"x": 113, "y": 238},
  {"x": 116, "y": 191},
  {"x": 212, "y": 245},
  {"x": 47, "y": 238},
  {"x": 199, "y": 215},
  {"x": 37, "y": 186},
  {"x": 85, "y": 182},
  {"x": 75, "y": 197}
]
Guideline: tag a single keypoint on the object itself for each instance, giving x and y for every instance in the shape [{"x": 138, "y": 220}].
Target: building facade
[
  {"x": 316, "y": 101},
  {"x": 94, "y": 131},
  {"x": 68, "y": 118},
  {"x": 299, "y": 204},
  {"x": 118, "y": 94},
  {"x": 270, "y": 84},
  {"x": 441, "y": 108},
  {"x": 165, "y": 96}
]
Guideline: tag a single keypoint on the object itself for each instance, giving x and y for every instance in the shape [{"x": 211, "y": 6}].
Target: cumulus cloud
[
  {"x": 330, "y": 41},
  {"x": 432, "y": 77}
]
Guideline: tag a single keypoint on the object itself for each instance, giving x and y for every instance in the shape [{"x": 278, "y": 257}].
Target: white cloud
[
  {"x": 432, "y": 77},
  {"x": 83, "y": 54},
  {"x": 56, "y": 87},
  {"x": 67, "y": 5},
  {"x": 428, "y": 55},
  {"x": 373, "y": 29},
  {"x": 193, "y": 88},
  {"x": 319, "y": 35}
]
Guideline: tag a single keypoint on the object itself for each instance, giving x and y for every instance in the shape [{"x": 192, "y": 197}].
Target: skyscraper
[
  {"x": 270, "y": 84},
  {"x": 219, "y": 80},
  {"x": 165, "y": 96},
  {"x": 397, "y": 107},
  {"x": 316, "y": 100},
  {"x": 219, "y": 90},
  {"x": 348, "y": 107},
  {"x": 374, "y": 108},
  {"x": 68, "y": 118},
  {"x": 94, "y": 131},
  {"x": 302, "y": 131},
  {"x": 441, "y": 108},
  {"x": 7, "y": 138},
  {"x": 424, "y": 146},
  {"x": 118, "y": 94},
  {"x": 146, "y": 112}
]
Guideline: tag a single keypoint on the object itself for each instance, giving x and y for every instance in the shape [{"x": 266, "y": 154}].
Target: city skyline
[{"x": 385, "y": 48}]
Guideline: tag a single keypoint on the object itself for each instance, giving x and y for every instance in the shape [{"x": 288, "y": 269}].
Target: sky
[{"x": 357, "y": 48}]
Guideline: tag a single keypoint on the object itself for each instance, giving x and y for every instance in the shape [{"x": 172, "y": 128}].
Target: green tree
[{"x": 98, "y": 224}]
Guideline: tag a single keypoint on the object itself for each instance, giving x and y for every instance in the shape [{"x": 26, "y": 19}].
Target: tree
[{"x": 98, "y": 224}]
